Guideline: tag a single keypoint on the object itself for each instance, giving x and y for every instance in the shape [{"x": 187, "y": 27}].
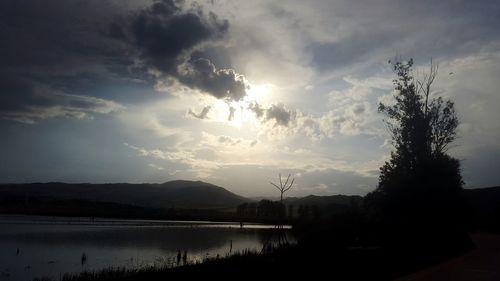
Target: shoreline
[{"x": 98, "y": 221}]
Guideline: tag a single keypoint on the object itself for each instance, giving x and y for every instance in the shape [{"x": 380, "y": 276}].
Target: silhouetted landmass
[
  {"x": 169, "y": 195},
  {"x": 347, "y": 242},
  {"x": 323, "y": 205},
  {"x": 172, "y": 200},
  {"x": 324, "y": 201},
  {"x": 483, "y": 208},
  {"x": 295, "y": 208},
  {"x": 482, "y": 204},
  {"x": 43, "y": 206}
]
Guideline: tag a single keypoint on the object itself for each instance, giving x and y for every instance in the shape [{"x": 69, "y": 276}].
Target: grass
[{"x": 235, "y": 262}]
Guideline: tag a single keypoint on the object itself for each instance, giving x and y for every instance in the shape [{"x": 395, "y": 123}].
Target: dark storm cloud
[
  {"x": 14, "y": 92},
  {"x": 163, "y": 34},
  {"x": 221, "y": 83},
  {"x": 219, "y": 55},
  {"x": 94, "y": 48},
  {"x": 48, "y": 50},
  {"x": 170, "y": 40}
]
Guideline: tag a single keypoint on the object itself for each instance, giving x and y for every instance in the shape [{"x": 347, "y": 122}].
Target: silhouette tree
[
  {"x": 270, "y": 209},
  {"x": 283, "y": 187},
  {"x": 304, "y": 211},
  {"x": 417, "y": 203},
  {"x": 290, "y": 211},
  {"x": 420, "y": 180}
]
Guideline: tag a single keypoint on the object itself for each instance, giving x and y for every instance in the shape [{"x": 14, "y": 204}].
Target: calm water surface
[{"x": 49, "y": 246}]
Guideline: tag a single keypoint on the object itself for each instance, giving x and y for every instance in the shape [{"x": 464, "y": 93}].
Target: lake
[{"x": 51, "y": 246}]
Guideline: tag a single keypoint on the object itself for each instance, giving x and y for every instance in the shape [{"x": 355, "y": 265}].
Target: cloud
[
  {"x": 257, "y": 109},
  {"x": 230, "y": 117},
  {"x": 220, "y": 83},
  {"x": 358, "y": 108},
  {"x": 277, "y": 114},
  {"x": 214, "y": 160},
  {"x": 105, "y": 50},
  {"x": 249, "y": 180},
  {"x": 379, "y": 30},
  {"x": 229, "y": 140},
  {"x": 280, "y": 115},
  {"x": 351, "y": 118},
  {"x": 211, "y": 140},
  {"x": 186, "y": 157},
  {"x": 156, "y": 167},
  {"x": 165, "y": 35},
  {"x": 152, "y": 123},
  {"x": 202, "y": 115},
  {"x": 54, "y": 57},
  {"x": 182, "y": 156},
  {"x": 62, "y": 105}
]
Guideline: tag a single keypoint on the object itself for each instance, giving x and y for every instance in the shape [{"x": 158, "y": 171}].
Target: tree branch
[
  {"x": 287, "y": 180},
  {"x": 279, "y": 188}
]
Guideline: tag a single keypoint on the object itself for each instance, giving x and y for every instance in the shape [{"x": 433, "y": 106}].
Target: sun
[
  {"x": 258, "y": 93},
  {"x": 237, "y": 113}
]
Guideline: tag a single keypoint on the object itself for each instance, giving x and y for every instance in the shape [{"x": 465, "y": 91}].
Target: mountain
[{"x": 173, "y": 194}]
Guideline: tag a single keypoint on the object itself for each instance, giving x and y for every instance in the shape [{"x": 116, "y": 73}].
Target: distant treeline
[
  {"x": 82, "y": 208},
  {"x": 482, "y": 209},
  {"x": 275, "y": 210}
]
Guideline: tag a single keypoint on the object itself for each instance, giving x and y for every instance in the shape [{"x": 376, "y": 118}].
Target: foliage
[
  {"x": 420, "y": 180},
  {"x": 263, "y": 209}
]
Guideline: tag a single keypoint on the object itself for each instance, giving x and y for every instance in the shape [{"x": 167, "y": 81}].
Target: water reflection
[{"x": 31, "y": 250}]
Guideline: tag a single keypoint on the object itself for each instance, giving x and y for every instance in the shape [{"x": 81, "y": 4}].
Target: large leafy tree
[{"x": 420, "y": 181}]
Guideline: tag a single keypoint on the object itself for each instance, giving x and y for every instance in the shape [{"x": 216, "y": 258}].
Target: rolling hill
[{"x": 174, "y": 194}]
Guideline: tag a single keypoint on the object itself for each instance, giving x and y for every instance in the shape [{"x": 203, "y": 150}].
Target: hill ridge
[{"x": 172, "y": 194}]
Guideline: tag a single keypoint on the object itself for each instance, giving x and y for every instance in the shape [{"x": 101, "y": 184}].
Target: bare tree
[{"x": 283, "y": 187}]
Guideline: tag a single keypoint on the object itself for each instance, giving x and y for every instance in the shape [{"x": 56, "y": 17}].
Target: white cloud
[{"x": 156, "y": 167}]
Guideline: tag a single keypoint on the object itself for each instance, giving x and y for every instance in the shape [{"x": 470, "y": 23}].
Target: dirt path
[{"x": 482, "y": 263}]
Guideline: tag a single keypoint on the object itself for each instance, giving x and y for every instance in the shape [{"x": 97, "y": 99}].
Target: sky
[{"x": 236, "y": 92}]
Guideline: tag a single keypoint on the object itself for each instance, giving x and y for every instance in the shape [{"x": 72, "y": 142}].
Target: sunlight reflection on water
[{"x": 49, "y": 246}]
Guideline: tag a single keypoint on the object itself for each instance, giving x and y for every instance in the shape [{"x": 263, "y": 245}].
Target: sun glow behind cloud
[{"x": 265, "y": 88}]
